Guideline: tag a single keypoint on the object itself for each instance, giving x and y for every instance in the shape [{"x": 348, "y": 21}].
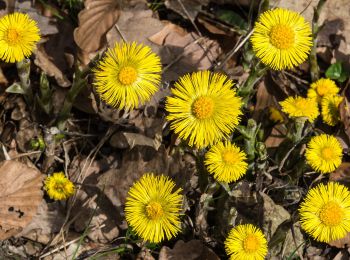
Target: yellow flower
[
  {"x": 128, "y": 75},
  {"x": 18, "y": 37},
  {"x": 152, "y": 208},
  {"x": 203, "y": 108},
  {"x": 300, "y": 107},
  {"x": 226, "y": 162},
  {"x": 330, "y": 109},
  {"x": 246, "y": 242},
  {"x": 322, "y": 88},
  {"x": 325, "y": 213},
  {"x": 324, "y": 153},
  {"x": 58, "y": 187},
  {"x": 281, "y": 39},
  {"x": 275, "y": 115}
]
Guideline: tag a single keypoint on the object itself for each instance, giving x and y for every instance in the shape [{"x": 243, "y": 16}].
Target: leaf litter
[{"x": 105, "y": 161}]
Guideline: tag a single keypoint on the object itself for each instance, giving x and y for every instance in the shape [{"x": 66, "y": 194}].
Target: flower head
[
  {"x": 58, "y": 187},
  {"x": 18, "y": 36},
  {"x": 324, "y": 153},
  {"x": 152, "y": 208},
  {"x": 128, "y": 75},
  {"x": 322, "y": 88},
  {"x": 300, "y": 107},
  {"x": 246, "y": 242},
  {"x": 325, "y": 212},
  {"x": 281, "y": 39},
  {"x": 330, "y": 109},
  {"x": 275, "y": 115},
  {"x": 226, "y": 162},
  {"x": 203, "y": 108}
]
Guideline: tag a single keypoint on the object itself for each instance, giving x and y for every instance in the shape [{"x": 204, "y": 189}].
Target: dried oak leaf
[
  {"x": 191, "y": 250},
  {"x": 94, "y": 22},
  {"x": 344, "y": 110},
  {"x": 20, "y": 196}
]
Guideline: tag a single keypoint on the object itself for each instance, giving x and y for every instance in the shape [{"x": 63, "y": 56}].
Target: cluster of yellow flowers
[{"x": 204, "y": 110}]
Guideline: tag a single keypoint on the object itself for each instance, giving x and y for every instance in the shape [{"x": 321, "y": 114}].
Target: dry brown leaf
[
  {"x": 94, "y": 22},
  {"x": 341, "y": 174},
  {"x": 184, "y": 52},
  {"x": 136, "y": 23},
  {"x": 46, "y": 63},
  {"x": 20, "y": 196},
  {"x": 130, "y": 140},
  {"x": 191, "y": 250},
  {"x": 341, "y": 243}
]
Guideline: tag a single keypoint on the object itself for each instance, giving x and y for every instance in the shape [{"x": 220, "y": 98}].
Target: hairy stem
[{"x": 314, "y": 69}]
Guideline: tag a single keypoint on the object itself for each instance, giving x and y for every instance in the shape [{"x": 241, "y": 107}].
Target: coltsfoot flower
[
  {"x": 330, "y": 109},
  {"x": 275, "y": 115},
  {"x": 59, "y": 187},
  {"x": 324, "y": 153},
  {"x": 18, "y": 37},
  {"x": 128, "y": 75},
  {"x": 281, "y": 39},
  {"x": 204, "y": 108},
  {"x": 325, "y": 212},
  {"x": 246, "y": 242},
  {"x": 300, "y": 107},
  {"x": 322, "y": 88},
  {"x": 226, "y": 162},
  {"x": 153, "y": 208}
]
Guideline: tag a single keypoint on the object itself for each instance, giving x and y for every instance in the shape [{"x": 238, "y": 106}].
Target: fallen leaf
[
  {"x": 124, "y": 140},
  {"x": 188, "y": 9},
  {"x": 136, "y": 23},
  {"x": 95, "y": 21},
  {"x": 341, "y": 243},
  {"x": 115, "y": 183},
  {"x": 46, "y": 25},
  {"x": 184, "y": 52},
  {"x": 20, "y": 196},
  {"x": 45, "y": 62},
  {"x": 45, "y": 224},
  {"x": 192, "y": 250},
  {"x": 341, "y": 174},
  {"x": 274, "y": 215}
]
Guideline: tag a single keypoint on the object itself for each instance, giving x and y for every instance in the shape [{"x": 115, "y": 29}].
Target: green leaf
[
  {"x": 336, "y": 71},
  {"x": 232, "y": 18},
  {"x": 15, "y": 88}
]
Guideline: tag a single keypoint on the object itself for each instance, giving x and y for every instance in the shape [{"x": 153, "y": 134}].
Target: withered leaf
[
  {"x": 94, "y": 22},
  {"x": 191, "y": 250},
  {"x": 20, "y": 196}
]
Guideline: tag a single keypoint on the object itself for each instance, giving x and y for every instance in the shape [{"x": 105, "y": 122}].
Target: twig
[
  {"x": 234, "y": 50},
  {"x": 189, "y": 17},
  {"x": 120, "y": 33},
  {"x": 67, "y": 244}
]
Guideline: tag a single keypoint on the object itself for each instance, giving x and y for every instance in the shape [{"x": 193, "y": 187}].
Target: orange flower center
[
  {"x": 229, "y": 157},
  {"x": 282, "y": 36},
  {"x": 251, "y": 244},
  {"x": 327, "y": 153},
  {"x": 127, "y": 75},
  {"x": 331, "y": 214},
  {"x": 154, "y": 210},
  {"x": 203, "y": 107},
  {"x": 12, "y": 36},
  {"x": 59, "y": 187}
]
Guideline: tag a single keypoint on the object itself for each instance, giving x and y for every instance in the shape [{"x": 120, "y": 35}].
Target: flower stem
[
  {"x": 79, "y": 83},
  {"x": 314, "y": 69},
  {"x": 247, "y": 88},
  {"x": 23, "y": 69}
]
